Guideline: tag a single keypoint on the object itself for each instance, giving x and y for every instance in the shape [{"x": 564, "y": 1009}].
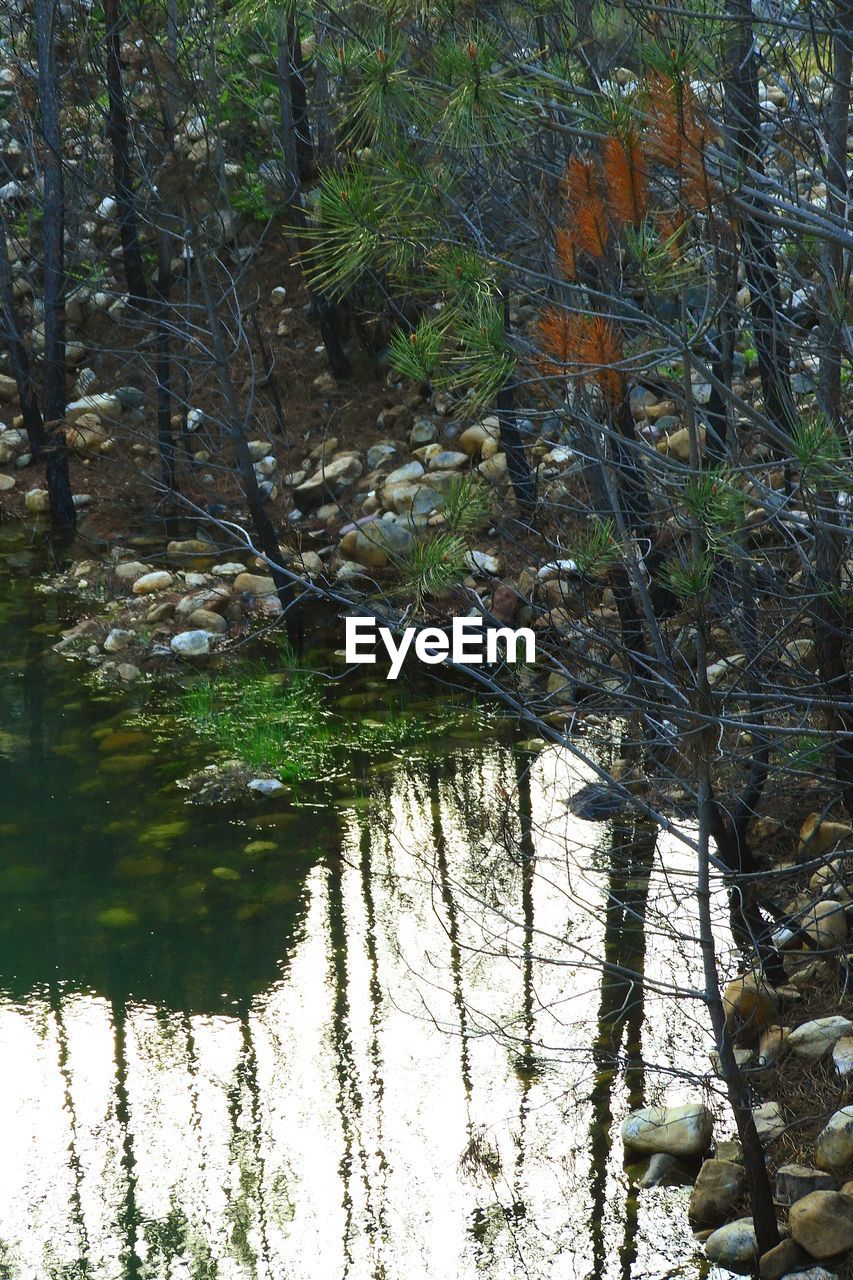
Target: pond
[{"x": 360, "y": 1031}]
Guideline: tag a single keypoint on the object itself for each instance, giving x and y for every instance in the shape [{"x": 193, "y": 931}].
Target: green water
[{"x": 329, "y": 1035}]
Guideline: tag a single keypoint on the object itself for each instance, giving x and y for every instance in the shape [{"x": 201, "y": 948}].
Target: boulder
[
  {"x": 823, "y": 1223},
  {"x": 750, "y": 1006},
  {"x": 266, "y": 787},
  {"x": 784, "y": 1257},
  {"x": 37, "y": 501},
  {"x": 256, "y": 583},
  {"x": 377, "y": 544},
  {"x": 769, "y": 1121},
  {"x": 117, "y": 640},
  {"x": 328, "y": 482},
  {"x": 6, "y": 483},
  {"x": 717, "y": 1189},
  {"x": 811, "y": 1041},
  {"x": 663, "y": 1171},
  {"x": 103, "y": 406},
  {"x": 191, "y": 644},
  {"x": 793, "y": 1181},
  {"x": 128, "y": 570},
  {"x": 772, "y": 1045},
  {"x": 448, "y": 460},
  {"x": 826, "y": 924},
  {"x": 834, "y": 1146},
  {"x": 682, "y": 1130},
  {"x": 842, "y": 1056},
  {"x": 734, "y": 1246},
  {"x": 159, "y": 580},
  {"x": 207, "y": 620},
  {"x": 8, "y": 388}
]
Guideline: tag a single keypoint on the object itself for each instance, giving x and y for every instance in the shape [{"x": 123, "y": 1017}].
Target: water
[{"x": 366, "y": 1040}]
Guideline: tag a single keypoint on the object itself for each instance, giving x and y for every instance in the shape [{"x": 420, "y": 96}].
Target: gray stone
[
  {"x": 734, "y": 1246},
  {"x": 159, "y": 580},
  {"x": 793, "y": 1181},
  {"x": 329, "y": 481},
  {"x": 404, "y": 475},
  {"x": 813, "y": 1040},
  {"x": 784, "y": 1257},
  {"x": 769, "y": 1121},
  {"x": 682, "y": 1130},
  {"x": 662, "y": 1171},
  {"x": 117, "y": 640},
  {"x": 718, "y": 1187},
  {"x": 379, "y": 453},
  {"x": 823, "y": 1223},
  {"x": 448, "y": 460},
  {"x": 267, "y": 787},
  {"x": 423, "y": 432},
  {"x": 191, "y": 644},
  {"x": 842, "y": 1056},
  {"x": 834, "y": 1146}
]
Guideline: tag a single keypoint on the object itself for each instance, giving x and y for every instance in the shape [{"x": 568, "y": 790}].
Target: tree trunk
[
  {"x": 20, "y": 362},
  {"x": 53, "y": 230},
  {"x": 119, "y": 138},
  {"x": 833, "y": 317}
]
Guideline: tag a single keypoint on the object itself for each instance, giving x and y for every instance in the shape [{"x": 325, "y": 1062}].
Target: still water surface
[{"x": 318, "y": 1040}]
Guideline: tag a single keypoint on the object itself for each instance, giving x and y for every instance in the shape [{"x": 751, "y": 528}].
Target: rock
[
  {"x": 256, "y": 583},
  {"x": 87, "y": 435},
  {"x": 813, "y": 1040},
  {"x": 730, "y": 1149},
  {"x": 266, "y": 786},
  {"x": 190, "y": 547},
  {"x": 473, "y": 438},
  {"x": 734, "y": 1246},
  {"x": 103, "y": 406},
  {"x": 494, "y": 469},
  {"x": 818, "y": 837},
  {"x": 681, "y": 1130},
  {"x": 159, "y": 580},
  {"x": 424, "y": 431},
  {"x": 777, "y": 1262},
  {"x": 663, "y": 1171},
  {"x": 212, "y": 599},
  {"x": 793, "y": 1181},
  {"x": 842, "y": 1056},
  {"x": 812, "y": 1273},
  {"x": 404, "y": 475},
  {"x": 750, "y": 1005},
  {"x": 769, "y": 1121},
  {"x": 37, "y": 501},
  {"x": 130, "y": 397},
  {"x": 191, "y": 644},
  {"x": 481, "y": 563},
  {"x": 329, "y": 482},
  {"x": 379, "y": 453},
  {"x": 8, "y": 388},
  {"x": 128, "y": 672},
  {"x": 117, "y": 640},
  {"x": 677, "y": 445},
  {"x": 377, "y": 544},
  {"x": 743, "y": 1057},
  {"x": 823, "y": 1223},
  {"x": 834, "y": 1146},
  {"x": 127, "y": 570},
  {"x": 206, "y": 620},
  {"x": 717, "y": 1189},
  {"x": 6, "y": 483},
  {"x": 414, "y": 499},
  {"x": 448, "y": 460}
]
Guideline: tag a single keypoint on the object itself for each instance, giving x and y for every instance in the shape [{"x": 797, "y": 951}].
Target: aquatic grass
[{"x": 282, "y": 722}]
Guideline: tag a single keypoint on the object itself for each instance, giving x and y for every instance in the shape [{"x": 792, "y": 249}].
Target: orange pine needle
[
  {"x": 586, "y": 210},
  {"x": 624, "y": 179}
]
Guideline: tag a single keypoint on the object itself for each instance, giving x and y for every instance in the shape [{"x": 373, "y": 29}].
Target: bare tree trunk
[
  {"x": 165, "y": 435},
  {"x": 118, "y": 133},
  {"x": 53, "y": 230},
  {"x": 833, "y": 318},
  {"x": 759, "y": 255},
  {"x": 13, "y": 334}
]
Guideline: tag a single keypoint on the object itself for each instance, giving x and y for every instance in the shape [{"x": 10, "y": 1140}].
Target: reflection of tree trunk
[
  {"x": 527, "y": 857},
  {"x": 73, "y": 1158},
  {"x": 246, "y": 1081},
  {"x": 453, "y": 934},
  {"x": 377, "y": 1083},
  {"x": 348, "y": 1098},
  {"x": 620, "y": 1014},
  {"x": 129, "y": 1219}
]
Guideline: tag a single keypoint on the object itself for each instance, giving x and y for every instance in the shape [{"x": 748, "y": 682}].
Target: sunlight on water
[{"x": 369, "y": 1056}]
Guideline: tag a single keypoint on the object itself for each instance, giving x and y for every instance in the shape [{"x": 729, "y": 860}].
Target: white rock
[
  {"x": 842, "y": 1056},
  {"x": 37, "y": 501},
  {"x": 480, "y": 562},
  {"x": 812, "y": 1040},
  {"x": 557, "y": 569},
  {"x": 682, "y": 1130},
  {"x": 769, "y": 1121},
  {"x": 117, "y": 640},
  {"x": 834, "y": 1146},
  {"x": 159, "y": 580},
  {"x": 267, "y": 786},
  {"x": 107, "y": 208},
  {"x": 191, "y": 644}
]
